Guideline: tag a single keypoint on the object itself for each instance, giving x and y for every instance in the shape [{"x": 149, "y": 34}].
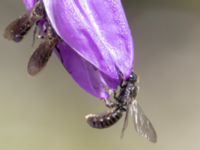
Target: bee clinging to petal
[{"x": 125, "y": 102}]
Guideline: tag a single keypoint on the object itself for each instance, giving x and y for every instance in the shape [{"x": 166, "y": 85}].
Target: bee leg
[
  {"x": 122, "y": 84},
  {"x": 109, "y": 103},
  {"x": 34, "y": 35},
  {"x": 116, "y": 96}
]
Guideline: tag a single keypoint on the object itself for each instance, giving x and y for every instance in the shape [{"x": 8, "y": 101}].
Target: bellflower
[{"x": 95, "y": 43}]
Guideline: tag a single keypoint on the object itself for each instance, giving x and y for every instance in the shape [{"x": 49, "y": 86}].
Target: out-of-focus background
[{"x": 47, "y": 112}]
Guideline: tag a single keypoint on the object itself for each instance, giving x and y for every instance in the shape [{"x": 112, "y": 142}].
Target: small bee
[
  {"x": 20, "y": 27},
  {"x": 125, "y": 102}
]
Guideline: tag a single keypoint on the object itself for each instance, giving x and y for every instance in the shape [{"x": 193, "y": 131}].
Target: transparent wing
[
  {"x": 142, "y": 124},
  {"x": 125, "y": 124}
]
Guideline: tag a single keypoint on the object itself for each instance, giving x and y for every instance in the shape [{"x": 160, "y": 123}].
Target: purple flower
[{"x": 95, "y": 43}]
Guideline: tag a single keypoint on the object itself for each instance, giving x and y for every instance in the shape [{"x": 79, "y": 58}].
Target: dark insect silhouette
[
  {"x": 41, "y": 55},
  {"x": 20, "y": 27},
  {"x": 17, "y": 29},
  {"x": 125, "y": 101}
]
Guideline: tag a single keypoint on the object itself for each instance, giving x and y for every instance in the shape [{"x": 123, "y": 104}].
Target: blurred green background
[{"x": 47, "y": 112}]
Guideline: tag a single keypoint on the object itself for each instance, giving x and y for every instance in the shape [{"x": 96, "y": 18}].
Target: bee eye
[{"x": 133, "y": 77}]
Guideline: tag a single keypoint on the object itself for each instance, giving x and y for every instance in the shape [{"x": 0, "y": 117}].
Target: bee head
[{"x": 132, "y": 78}]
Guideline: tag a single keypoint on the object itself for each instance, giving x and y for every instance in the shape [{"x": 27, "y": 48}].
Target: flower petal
[
  {"x": 97, "y": 30},
  {"x": 29, "y": 3},
  {"x": 85, "y": 74}
]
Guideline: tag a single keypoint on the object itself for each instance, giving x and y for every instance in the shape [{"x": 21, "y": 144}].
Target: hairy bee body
[{"x": 105, "y": 119}]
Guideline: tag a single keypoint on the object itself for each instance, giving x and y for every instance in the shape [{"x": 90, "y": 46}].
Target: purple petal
[
  {"x": 29, "y": 3},
  {"x": 85, "y": 74},
  {"x": 97, "y": 30}
]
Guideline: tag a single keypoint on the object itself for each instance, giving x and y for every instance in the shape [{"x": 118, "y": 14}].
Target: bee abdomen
[{"x": 104, "y": 120}]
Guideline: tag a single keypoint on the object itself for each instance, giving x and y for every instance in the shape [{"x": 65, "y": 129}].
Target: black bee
[
  {"x": 125, "y": 102},
  {"x": 18, "y": 28},
  {"x": 104, "y": 120}
]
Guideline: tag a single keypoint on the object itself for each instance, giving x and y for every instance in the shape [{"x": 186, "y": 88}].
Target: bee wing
[
  {"x": 142, "y": 124},
  {"x": 18, "y": 28},
  {"x": 39, "y": 58},
  {"x": 125, "y": 124}
]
